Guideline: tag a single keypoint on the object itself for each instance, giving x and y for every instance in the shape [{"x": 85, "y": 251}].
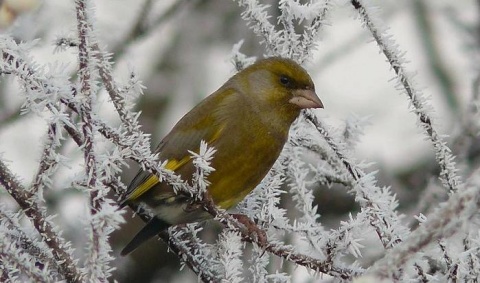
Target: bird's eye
[{"x": 284, "y": 80}]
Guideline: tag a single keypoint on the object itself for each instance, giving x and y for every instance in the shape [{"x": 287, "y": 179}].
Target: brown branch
[
  {"x": 376, "y": 220},
  {"x": 27, "y": 244},
  {"x": 86, "y": 92},
  {"x": 443, "y": 223},
  {"x": 4, "y": 277},
  {"x": 53, "y": 240},
  {"x": 308, "y": 38},
  {"x": 283, "y": 252},
  {"x": 86, "y": 81},
  {"x": 19, "y": 264},
  {"x": 46, "y": 162},
  {"x": 124, "y": 144},
  {"x": 443, "y": 156},
  {"x": 421, "y": 274}
]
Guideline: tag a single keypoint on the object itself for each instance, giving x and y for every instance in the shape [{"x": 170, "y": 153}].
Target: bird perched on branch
[{"x": 247, "y": 121}]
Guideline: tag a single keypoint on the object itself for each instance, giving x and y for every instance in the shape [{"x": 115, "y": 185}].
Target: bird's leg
[{"x": 253, "y": 229}]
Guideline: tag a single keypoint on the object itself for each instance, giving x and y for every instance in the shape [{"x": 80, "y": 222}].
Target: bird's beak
[{"x": 306, "y": 98}]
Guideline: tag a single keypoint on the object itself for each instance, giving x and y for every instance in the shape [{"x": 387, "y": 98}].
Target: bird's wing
[{"x": 199, "y": 124}]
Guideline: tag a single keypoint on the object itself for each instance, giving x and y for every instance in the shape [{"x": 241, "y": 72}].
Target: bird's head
[{"x": 279, "y": 84}]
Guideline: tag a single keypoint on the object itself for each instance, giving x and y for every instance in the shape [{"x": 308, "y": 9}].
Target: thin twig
[
  {"x": 46, "y": 162},
  {"x": 379, "y": 221},
  {"x": 46, "y": 229},
  {"x": 443, "y": 223},
  {"x": 283, "y": 252},
  {"x": 444, "y": 158},
  {"x": 84, "y": 54}
]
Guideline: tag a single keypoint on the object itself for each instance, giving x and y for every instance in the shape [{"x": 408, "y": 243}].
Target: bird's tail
[{"x": 153, "y": 227}]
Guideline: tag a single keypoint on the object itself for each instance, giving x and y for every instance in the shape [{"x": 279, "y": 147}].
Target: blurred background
[{"x": 181, "y": 50}]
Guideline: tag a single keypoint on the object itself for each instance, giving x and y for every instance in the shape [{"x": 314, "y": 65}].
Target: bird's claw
[{"x": 254, "y": 232}]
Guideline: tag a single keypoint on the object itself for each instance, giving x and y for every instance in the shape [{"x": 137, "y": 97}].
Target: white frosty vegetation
[{"x": 444, "y": 246}]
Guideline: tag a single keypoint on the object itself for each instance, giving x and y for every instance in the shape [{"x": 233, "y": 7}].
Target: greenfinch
[{"x": 247, "y": 121}]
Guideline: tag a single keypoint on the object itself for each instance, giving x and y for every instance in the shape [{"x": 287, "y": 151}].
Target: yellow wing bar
[{"x": 153, "y": 180}]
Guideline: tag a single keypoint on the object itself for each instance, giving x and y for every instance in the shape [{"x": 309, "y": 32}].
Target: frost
[
  {"x": 240, "y": 60},
  {"x": 92, "y": 131},
  {"x": 202, "y": 161},
  {"x": 230, "y": 256}
]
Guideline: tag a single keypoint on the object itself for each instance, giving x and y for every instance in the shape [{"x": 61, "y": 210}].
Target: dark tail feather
[
  {"x": 153, "y": 227},
  {"x": 122, "y": 203}
]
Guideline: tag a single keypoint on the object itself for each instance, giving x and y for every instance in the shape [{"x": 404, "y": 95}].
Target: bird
[{"x": 247, "y": 121}]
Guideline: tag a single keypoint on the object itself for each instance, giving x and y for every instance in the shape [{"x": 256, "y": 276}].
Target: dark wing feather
[
  {"x": 153, "y": 227},
  {"x": 201, "y": 123}
]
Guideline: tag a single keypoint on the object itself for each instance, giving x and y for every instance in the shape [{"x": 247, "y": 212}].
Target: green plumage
[{"x": 247, "y": 121}]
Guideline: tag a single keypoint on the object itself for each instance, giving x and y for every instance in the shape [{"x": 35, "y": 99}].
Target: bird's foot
[{"x": 254, "y": 232}]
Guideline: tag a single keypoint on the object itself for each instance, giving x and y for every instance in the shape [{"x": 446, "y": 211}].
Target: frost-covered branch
[
  {"x": 14, "y": 260},
  {"x": 86, "y": 93},
  {"x": 448, "y": 173},
  {"x": 376, "y": 202},
  {"x": 286, "y": 41},
  {"x": 181, "y": 242},
  {"x": 278, "y": 249},
  {"x": 97, "y": 264},
  {"x": 280, "y": 228},
  {"x": 20, "y": 242},
  {"x": 48, "y": 161},
  {"x": 230, "y": 256},
  {"x": 184, "y": 241},
  {"x": 256, "y": 15},
  {"x": 59, "y": 247},
  {"x": 445, "y": 221},
  {"x": 118, "y": 98}
]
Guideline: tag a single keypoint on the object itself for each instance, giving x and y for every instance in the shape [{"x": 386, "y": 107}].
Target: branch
[
  {"x": 286, "y": 253},
  {"x": 387, "y": 226},
  {"x": 86, "y": 95},
  {"x": 445, "y": 221},
  {"x": 46, "y": 229},
  {"x": 26, "y": 244},
  {"x": 443, "y": 154}
]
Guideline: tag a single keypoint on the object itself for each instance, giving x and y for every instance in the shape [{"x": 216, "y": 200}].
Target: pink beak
[{"x": 306, "y": 98}]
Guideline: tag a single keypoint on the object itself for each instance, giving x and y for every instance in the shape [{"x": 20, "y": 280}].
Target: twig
[
  {"x": 444, "y": 158},
  {"x": 309, "y": 36},
  {"x": 84, "y": 54},
  {"x": 26, "y": 243},
  {"x": 53, "y": 240},
  {"x": 9, "y": 255},
  {"x": 379, "y": 221},
  {"x": 443, "y": 223},
  {"x": 255, "y": 13},
  {"x": 284, "y": 252},
  {"x": 46, "y": 161}
]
